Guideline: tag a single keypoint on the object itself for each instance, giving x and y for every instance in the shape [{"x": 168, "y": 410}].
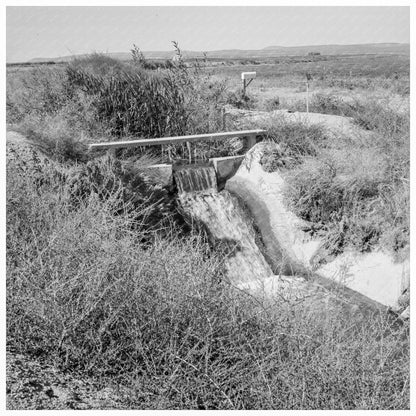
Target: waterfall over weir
[
  {"x": 196, "y": 179},
  {"x": 225, "y": 220}
]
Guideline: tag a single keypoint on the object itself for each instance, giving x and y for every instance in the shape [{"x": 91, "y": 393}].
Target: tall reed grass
[{"x": 99, "y": 98}]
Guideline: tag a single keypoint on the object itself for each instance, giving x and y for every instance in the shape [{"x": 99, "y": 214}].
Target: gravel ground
[{"x": 34, "y": 384}]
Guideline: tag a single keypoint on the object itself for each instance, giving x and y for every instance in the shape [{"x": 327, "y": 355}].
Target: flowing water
[
  {"x": 191, "y": 179},
  {"x": 230, "y": 225},
  {"x": 226, "y": 221}
]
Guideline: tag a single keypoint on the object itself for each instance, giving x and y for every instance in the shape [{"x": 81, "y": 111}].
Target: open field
[
  {"x": 107, "y": 282},
  {"x": 349, "y": 77}
]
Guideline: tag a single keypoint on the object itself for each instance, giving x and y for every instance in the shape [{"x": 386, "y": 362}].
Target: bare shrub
[{"x": 86, "y": 291}]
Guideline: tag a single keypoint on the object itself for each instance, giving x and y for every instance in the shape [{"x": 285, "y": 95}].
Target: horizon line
[{"x": 214, "y": 50}]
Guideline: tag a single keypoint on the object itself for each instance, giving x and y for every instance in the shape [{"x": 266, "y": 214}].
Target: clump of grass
[
  {"x": 344, "y": 203},
  {"x": 56, "y": 137},
  {"x": 330, "y": 104},
  {"x": 368, "y": 114},
  {"x": 354, "y": 188},
  {"x": 296, "y": 139},
  {"x": 98, "y": 64},
  {"x": 326, "y": 103},
  {"x": 273, "y": 103},
  {"x": 360, "y": 197},
  {"x": 45, "y": 109},
  {"x": 38, "y": 91},
  {"x": 373, "y": 115},
  {"x": 237, "y": 100}
]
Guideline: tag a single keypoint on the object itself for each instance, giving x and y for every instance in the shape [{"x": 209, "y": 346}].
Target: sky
[{"x": 49, "y": 32}]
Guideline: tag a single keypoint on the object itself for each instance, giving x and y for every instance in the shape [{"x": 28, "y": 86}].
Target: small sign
[{"x": 248, "y": 75}]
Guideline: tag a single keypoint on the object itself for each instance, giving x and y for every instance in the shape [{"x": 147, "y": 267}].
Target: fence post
[{"x": 188, "y": 145}]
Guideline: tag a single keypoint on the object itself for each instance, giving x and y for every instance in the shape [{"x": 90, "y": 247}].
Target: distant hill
[
  {"x": 268, "y": 52},
  {"x": 367, "y": 48}
]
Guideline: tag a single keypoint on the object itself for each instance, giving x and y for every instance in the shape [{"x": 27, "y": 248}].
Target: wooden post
[
  {"x": 223, "y": 119},
  {"x": 188, "y": 145},
  {"x": 308, "y": 78}
]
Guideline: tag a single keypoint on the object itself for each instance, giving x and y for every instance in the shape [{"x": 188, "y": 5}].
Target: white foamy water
[
  {"x": 196, "y": 179},
  {"x": 226, "y": 222}
]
